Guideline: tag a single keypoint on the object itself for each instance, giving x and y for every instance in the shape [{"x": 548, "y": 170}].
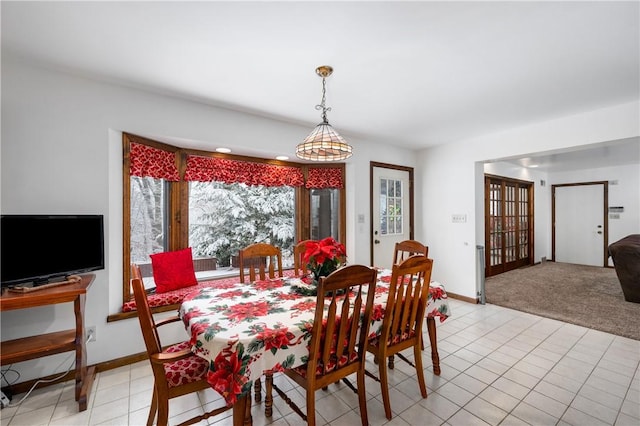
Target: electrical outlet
[{"x": 91, "y": 334}]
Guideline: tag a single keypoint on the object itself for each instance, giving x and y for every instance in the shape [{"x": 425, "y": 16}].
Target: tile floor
[{"x": 499, "y": 367}]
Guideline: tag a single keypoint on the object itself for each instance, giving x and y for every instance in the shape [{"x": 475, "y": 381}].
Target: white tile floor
[{"x": 499, "y": 367}]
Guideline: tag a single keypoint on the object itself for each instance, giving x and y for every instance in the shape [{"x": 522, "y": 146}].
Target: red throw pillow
[{"x": 173, "y": 270}]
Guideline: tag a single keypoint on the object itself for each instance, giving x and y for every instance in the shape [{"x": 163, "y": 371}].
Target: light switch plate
[{"x": 459, "y": 218}]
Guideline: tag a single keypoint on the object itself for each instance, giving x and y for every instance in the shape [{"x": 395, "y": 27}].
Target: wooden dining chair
[
  {"x": 260, "y": 258},
  {"x": 338, "y": 338},
  {"x": 407, "y": 248},
  {"x": 176, "y": 370},
  {"x": 402, "y": 323},
  {"x": 299, "y": 266},
  {"x": 402, "y": 251}
]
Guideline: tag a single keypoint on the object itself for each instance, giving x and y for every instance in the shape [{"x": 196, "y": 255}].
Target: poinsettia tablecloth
[{"x": 247, "y": 329}]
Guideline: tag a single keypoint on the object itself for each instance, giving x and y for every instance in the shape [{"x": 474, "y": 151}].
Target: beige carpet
[{"x": 584, "y": 295}]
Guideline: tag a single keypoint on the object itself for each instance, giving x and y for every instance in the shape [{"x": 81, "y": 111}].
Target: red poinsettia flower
[
  {"x": 191, "y": 313},
  {"x": 324, "y": 256},
  {"x": 378, "y": 312},
  {"x": 225, "y": 377},
  {"x": 230, "y": 294},
  {"x": 221, "y": 284},
  {"x": 247, "y": 311},
  {"x": 275, "y": 338},
  {"x": 265, "y": 285},
  {"x": 436, "y": 292}
]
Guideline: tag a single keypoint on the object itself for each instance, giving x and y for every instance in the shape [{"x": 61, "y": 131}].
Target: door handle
[
  {"x": 599, "y": 232},
  {"x": 376, "y": 241}
]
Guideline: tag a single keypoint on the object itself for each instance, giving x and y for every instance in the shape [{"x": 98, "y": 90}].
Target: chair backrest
[
  {"x": 135, "y": 271},
  {"x": 299, "y": 266},
  {"x": 257, "y": 257},
  {"x": 341, "y": 296},
  {"x": 147, "y": 323},
  {"x": 407, "y": 248},
  {"x": 407, "y": 300}
]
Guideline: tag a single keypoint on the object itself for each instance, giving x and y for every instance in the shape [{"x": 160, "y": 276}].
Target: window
[
  {"x": 391, "y": 197},
  {"x": 219, "y": 203},
  {"x": 147, "y": 216},
  {"x": 224, "y": 218}
]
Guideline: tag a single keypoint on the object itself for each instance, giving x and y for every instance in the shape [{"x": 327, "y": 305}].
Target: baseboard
[{"x": 467, "y": 299}]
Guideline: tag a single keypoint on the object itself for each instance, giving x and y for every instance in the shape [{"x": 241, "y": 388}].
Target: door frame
[
  {"x": 373, "y": 164},
  {"x": 605, "y": 208}
]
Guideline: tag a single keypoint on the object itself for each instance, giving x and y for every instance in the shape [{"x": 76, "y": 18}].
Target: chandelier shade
[{"x": 324, "y": 143}]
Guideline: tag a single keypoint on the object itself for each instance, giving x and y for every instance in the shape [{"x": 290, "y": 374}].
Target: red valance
[
  {"x": 207, "y": 169},
  {"x": 323, "y": 177},
  {"x": 146, "y": 161}
]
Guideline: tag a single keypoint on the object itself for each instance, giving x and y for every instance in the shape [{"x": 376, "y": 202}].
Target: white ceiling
[{"x": 413, "y": 74}]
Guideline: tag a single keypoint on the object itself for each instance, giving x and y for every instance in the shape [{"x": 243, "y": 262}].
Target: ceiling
[{"x": 412, "y": 74}]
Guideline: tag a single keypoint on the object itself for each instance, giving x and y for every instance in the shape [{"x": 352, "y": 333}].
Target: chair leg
[
  {"x": 268, "y": 399},
  {"x": 417, "y": 355},
  {"x": 257, "y": 390},
  {"x": 163, "y": 412},
  {"x": 311, "y": 406},
  {"x": 362, "y": 398},
  {"x": 384, "y": 388},
  {"x": 153, "y": 409}
]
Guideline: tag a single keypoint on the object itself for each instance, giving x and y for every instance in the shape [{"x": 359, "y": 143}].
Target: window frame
[{"x": 178, "y": 199}]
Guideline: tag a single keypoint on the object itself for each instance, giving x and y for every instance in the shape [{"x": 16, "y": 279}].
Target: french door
[
  {"x": 391, "y": 210},
  {"x": 508, "y": 224}
]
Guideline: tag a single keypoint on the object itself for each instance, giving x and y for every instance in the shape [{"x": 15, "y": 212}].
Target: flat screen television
[{"x": 40, "y": 249}]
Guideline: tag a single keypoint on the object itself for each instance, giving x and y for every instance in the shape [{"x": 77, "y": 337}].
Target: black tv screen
[{"x": 45, "y": 248}]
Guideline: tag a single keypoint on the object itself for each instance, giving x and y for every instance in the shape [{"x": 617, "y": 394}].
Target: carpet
[{"x": 588, "y": 296}]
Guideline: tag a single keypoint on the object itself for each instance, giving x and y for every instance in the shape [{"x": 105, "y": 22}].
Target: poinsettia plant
[{"x": 324, "y": 256}]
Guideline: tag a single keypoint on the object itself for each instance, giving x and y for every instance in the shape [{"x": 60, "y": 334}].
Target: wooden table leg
[
  {"x": 431, "y": 328},
  {"x": 242, "y": 411}
]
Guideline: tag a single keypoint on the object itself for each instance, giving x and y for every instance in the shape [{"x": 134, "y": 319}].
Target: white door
[
  {"x": 391, "y": 213},
  {"x": 579, "y": 227}
]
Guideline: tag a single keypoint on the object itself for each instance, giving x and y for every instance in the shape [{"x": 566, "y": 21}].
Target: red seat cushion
[
  {"x": 173, "y": 270},
  {"x": 302, "y": 369},
  {"x": 187, "y": 370}
]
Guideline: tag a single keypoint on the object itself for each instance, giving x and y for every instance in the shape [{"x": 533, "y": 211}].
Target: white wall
[
  {"x": 451, "y": 180},
  {"x": 61, "y": 142}
]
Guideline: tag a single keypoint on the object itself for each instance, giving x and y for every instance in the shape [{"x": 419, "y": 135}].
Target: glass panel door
[{"x": 508, "y": 219}]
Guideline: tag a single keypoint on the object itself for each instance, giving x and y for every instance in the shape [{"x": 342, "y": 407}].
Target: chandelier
[{"x": 324, "y": 143}]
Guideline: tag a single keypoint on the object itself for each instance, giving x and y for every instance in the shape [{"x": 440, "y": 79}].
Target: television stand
[{"x": 27, "y": 348}]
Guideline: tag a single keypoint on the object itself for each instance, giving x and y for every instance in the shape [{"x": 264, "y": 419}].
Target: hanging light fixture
[{"x": 324, "y": 143}]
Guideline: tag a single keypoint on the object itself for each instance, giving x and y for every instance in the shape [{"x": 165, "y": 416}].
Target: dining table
[{"x": 248, "y": 329}]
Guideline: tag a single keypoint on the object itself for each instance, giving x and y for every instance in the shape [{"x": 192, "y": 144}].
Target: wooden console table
[{"x": 32, "y": 347}]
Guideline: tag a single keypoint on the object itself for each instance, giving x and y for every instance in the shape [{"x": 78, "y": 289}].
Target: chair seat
[
  {"x": 187, "y": 370},
  {"x": 302, "y": 370},
  {"x": 397, "y": 338}
]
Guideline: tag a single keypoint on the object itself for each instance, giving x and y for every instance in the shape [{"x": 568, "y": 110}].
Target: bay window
[{"x": 219, "y": 203}]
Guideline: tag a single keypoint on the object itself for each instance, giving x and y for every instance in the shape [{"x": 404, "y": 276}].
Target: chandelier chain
[{"x": 322, "y": 103}]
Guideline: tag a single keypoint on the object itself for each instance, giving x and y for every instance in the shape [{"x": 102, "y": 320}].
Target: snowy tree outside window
[{"x": 224, "y": 218}]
